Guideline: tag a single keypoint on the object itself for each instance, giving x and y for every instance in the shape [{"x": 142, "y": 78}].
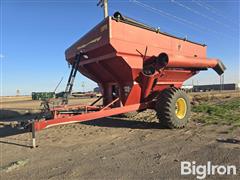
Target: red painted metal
[
  {"x": 131, "y": 65},
  {"x": 42, "y": 124},
  {"x": 119, "y": 51}
]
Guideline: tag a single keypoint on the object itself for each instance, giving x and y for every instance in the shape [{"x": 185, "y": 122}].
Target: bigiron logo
[{"x": 201, "y": 171}]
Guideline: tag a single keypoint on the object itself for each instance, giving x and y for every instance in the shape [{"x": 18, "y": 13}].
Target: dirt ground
[{"x": 113, "y": 148}]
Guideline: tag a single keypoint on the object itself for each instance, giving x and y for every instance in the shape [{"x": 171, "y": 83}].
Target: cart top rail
[{"x": 119, "y": 17}]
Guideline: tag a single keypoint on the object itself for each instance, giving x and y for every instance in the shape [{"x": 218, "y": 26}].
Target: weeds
[{"x": 226, "y": 112}]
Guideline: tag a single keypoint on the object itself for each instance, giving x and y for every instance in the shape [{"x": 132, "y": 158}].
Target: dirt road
[{"x": 117, "y": 148}]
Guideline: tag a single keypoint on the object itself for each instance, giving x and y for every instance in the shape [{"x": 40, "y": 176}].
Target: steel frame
[
  {"x": 86, "y": 113},
  {"x": 132, "y": 63}
]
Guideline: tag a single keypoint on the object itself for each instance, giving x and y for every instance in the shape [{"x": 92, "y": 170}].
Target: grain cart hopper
[{"x": 137, "y": 67}]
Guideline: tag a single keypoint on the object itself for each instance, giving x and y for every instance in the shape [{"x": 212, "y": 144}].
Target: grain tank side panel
[{"x": 129, "y": 39}]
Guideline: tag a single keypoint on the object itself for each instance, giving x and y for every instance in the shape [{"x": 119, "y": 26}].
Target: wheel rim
[{"x": 181, "y": 108}]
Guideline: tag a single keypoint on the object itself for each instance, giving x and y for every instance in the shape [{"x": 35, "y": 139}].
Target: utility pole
[
  {"x": 221, "y": 82},
  {"x": 17, "y": 92},
  {"x": 104, "y": 5},
  {"x": 192, "y": 85},
  {"x": 105, "y": 8},
  {"x": 83, "y": 87}
]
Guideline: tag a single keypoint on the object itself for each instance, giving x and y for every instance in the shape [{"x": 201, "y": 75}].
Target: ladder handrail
[{"x": 72, "y": 76}]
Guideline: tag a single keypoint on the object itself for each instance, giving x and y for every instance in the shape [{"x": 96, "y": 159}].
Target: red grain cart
[{"x": 137, "y": 67}]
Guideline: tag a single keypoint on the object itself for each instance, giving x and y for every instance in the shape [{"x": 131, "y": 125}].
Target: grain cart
[{"x": 137, "y": 67}]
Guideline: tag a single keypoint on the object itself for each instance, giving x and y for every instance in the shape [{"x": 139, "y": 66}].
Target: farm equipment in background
[
  {"x": 42, "y": 95},
  {"x": 78, "y": 94},
  {"x": 137, "y": 67},
  {"x": 84, "y": 94}
]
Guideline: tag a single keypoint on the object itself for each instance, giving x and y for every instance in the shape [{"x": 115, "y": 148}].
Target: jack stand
[{"x": 33, "y": 135}]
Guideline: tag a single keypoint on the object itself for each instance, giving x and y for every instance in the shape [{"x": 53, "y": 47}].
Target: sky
[{"x": 35, "y": 34}]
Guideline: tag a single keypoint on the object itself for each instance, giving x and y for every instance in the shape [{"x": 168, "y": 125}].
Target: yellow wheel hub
[{"x": 181, "y": 108}]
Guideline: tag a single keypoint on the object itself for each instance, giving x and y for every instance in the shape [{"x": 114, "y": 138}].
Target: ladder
[{"x": 71, "y": 78}]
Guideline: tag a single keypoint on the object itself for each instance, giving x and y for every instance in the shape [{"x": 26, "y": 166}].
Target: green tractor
[{"x": 42, "y": 95}]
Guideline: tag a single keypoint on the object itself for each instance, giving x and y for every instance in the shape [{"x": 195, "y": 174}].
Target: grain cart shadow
[
  {"x": 4, "y": 113},
  {"x": 6, "y": 131},
  {"x": 8, "y": 126},
  {"x": 123, "y": 123},
  {"x": 17, "y": 114},
  {"x": 15, "y": 144},
  {"x": 228, "y": 140}
]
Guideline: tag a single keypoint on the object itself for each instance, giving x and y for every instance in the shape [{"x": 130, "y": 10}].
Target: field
[{"x": 121, "y": 148}]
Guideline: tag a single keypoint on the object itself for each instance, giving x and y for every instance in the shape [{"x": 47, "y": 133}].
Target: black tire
[{"x": 173, "y": 108}]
